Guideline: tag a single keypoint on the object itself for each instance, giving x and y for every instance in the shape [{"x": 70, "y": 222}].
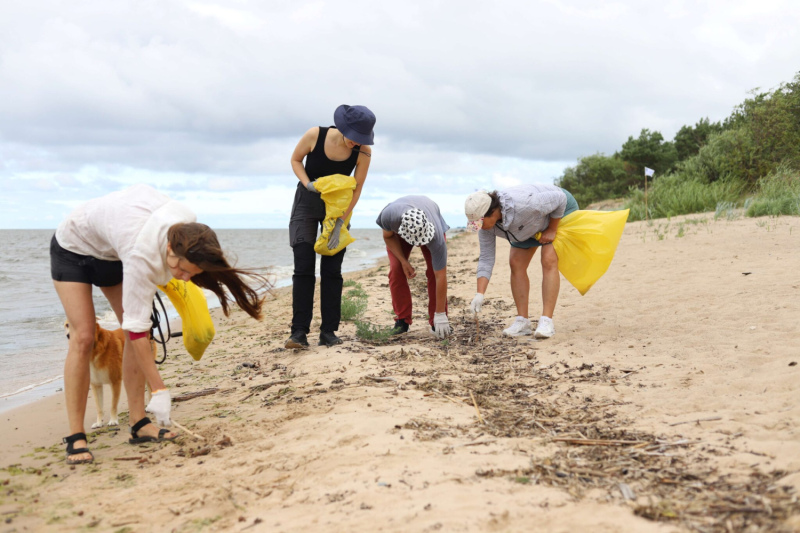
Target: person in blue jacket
[{"x": 517, "y": 214}]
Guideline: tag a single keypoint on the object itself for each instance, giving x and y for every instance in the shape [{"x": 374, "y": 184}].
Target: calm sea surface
[{"x": 32, "y": 341}]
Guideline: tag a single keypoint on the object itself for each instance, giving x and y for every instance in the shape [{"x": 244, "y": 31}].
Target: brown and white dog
[{"x": 105, "y": 368}]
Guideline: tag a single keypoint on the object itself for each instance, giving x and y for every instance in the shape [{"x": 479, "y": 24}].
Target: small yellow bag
[
  {"x": 190, "y": 302},
  {"x": 585, "y": 243},
  {"x": 337, "y": 193}
]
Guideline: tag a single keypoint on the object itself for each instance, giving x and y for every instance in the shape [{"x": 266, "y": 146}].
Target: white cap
[{"x": 477, "y": 205}]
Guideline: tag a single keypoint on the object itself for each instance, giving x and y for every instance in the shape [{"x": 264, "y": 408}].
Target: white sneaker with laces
[
  {"x": 521, "y": 326},
  {"x": 545, "y": 329}
]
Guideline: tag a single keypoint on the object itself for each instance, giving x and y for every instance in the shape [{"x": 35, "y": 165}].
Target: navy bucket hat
[{"x": 355, "y": 122}]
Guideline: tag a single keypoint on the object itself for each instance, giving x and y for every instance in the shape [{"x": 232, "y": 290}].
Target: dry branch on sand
[{"x": 664, "y": 478}]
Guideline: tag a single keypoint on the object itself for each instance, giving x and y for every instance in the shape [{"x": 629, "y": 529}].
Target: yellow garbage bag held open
[
  {"x": 585, "y": 243},
  {"x": 337, "y": 193},
  {"x": 190, "y": 302}
]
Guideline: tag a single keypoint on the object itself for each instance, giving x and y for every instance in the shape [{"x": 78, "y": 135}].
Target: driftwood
[
  {"x": 480, "y": 418},
  {"x": 449, "y": 397},
  {"x": 381, "y": 379},
  {"x": 264, "y": 386},
  {"x": 478, "y": 443},
  {"x": 709, "y": 419},
  {"x": 195, "y": 435},
  {"x": 599, "y": 442},
  {"x": 191, "y": 395}
]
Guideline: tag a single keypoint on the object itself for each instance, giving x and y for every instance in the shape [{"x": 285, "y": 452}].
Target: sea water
[{"x": 33, "y": 344}]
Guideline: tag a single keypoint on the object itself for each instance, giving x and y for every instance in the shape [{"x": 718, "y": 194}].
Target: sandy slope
[{"x": 675, "y": 332}]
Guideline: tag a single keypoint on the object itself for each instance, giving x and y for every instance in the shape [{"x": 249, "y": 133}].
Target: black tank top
[{"x": 318, "y": 164}]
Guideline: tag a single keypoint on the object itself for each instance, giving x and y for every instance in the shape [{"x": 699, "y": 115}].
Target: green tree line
[{"x": 752, "y": 159}]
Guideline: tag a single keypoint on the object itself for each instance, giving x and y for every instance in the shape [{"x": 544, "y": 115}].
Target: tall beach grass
[
  {"x": 673, "y": 195},
  {"x": 778, "y": 194}
]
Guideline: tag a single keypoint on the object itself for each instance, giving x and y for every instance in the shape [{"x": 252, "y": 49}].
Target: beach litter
[{"x": 584, "y": 445}]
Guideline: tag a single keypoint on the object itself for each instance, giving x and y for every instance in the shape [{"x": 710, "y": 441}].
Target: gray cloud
[{"x": 216, "y": 94}]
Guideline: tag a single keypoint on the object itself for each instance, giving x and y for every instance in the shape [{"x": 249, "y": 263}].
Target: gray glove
[
  {"x": 333, "y": 240},
  {"x": 160, "y": 405},
  {"x": 311, "y": 187},
  {"x": 441, "y": 325}
]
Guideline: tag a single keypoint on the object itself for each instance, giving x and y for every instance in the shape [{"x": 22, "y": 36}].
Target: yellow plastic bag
[
  {"x": 190, "y": 302},
  {"x": 585, "y": 243},
  {"x": 337, "y": 193}
]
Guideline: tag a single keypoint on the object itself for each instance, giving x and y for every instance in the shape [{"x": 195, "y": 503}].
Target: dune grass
[
  {"x": 366, "y": 331},
  {"x": 778, "y": 194},
  {"x": 672, "y": 196},
  {"x": 354, "y": 302}
]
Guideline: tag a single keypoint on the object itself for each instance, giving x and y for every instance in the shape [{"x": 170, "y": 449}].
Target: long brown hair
[{"x": 198, "y": 244}]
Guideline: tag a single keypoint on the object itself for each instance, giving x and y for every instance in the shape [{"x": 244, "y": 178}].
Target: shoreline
[
  {"x": 50, "y": 386},
  {"x": 676, "y": 366},
  {"x": 31, "y": 394}
]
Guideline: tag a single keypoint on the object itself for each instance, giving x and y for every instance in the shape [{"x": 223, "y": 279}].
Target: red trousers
[{"x": 398, "y": 284}]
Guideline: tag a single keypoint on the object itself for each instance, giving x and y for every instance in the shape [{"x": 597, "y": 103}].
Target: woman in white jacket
[
  {"x": 127, "y": 243},
  {"x": 517, "y": 214}
]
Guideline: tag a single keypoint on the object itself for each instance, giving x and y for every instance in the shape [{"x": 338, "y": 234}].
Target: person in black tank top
[{"x": 339, "y": 149}]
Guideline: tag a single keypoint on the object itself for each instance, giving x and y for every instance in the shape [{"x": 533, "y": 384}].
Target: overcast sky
[{"x": 206, "y": 100}]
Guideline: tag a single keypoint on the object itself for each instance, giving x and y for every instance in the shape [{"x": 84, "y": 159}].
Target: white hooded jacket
[{"x": 129, "y": 226}]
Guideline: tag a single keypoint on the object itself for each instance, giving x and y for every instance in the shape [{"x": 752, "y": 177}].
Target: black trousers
[
  {"x": 303, "y": 282},
  {"x": 308, "y": 212}
]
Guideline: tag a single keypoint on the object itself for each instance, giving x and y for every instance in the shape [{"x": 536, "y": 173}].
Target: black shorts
[{"x": 69, "y": 266}]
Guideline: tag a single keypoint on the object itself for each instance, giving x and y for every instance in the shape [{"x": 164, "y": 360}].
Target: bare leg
[
  {"x": 551, "y": 280},
  {"x": 132, "y": 375},
  {"x": 114, "y": 297},
  {"x": 519, "y": 259},
  {"x": 134, "y": 380},
  {"x": 76, "y": 298}
]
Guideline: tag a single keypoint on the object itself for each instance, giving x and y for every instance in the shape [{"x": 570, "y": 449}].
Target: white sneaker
[
  {"x": 521, "y": 326},
  {"x": 545, "y": 329}
]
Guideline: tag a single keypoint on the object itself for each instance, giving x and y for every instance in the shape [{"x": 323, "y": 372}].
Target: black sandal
[
  {"x": 69, "y": 441},
  {"x": 136, "y": 439}
]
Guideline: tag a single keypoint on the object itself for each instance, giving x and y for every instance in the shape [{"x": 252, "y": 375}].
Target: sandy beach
[{"x": 669, "y": 400}]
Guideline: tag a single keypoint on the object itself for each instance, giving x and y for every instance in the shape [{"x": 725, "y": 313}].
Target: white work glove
[
  {"x": 476, "y": 304},
  {"x": 441, "y": 325},
  {"x": 333, "y": 240},
  {"x": 160, "y": 405},
  {"x": 311, "y": 187}
]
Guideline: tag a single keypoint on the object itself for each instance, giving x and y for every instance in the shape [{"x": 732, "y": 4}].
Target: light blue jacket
[{"x": 526, "y": 210}]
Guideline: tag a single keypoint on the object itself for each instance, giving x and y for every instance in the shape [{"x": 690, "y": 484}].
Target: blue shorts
[{"x": 572, "y": 205}]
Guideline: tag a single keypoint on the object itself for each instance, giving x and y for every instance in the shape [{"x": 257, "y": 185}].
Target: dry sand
[{"x": 673, "y": 382}]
